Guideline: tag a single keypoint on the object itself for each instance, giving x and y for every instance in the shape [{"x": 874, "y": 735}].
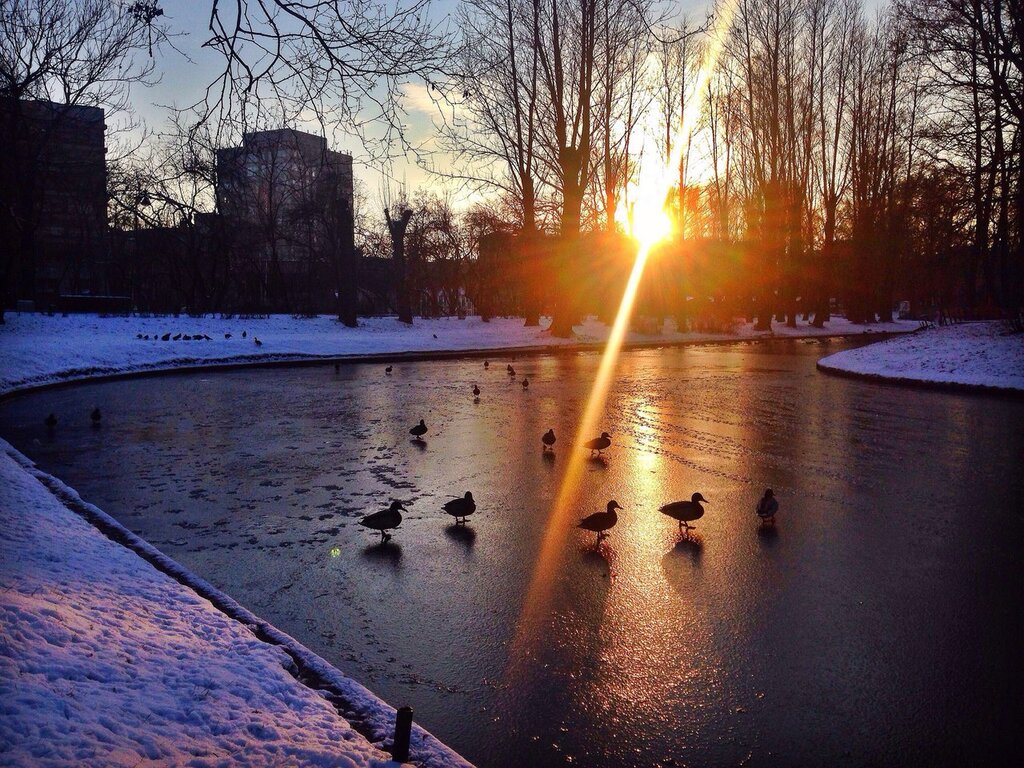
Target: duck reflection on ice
[
  {"x": 387, "y": 552},
  {"x": 549, "y": 457},
  {"x": 601, "y": 557},
  {"x": 461, "y": 533}
]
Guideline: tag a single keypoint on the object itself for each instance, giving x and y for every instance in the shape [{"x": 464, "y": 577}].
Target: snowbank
[
  {"x": 970, "y": 354},
  {"x": 105, "y": 660},
  {"x": 38, "y": 350}
]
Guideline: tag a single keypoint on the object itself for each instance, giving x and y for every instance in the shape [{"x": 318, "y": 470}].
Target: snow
[
  {"x": 37, "y": 350},
  {"x": 106, "y": 660},
  {"x": 969, "y": 354}
]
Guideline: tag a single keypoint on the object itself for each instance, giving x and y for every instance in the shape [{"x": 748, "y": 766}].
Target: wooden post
[{"x": 403, "y": 733}]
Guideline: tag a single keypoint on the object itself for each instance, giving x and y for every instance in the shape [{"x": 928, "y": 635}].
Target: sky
[{"x": 186, "y": 71}]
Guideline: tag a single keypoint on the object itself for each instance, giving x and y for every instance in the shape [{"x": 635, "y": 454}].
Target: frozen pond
[{"x": 878, "y": 623}]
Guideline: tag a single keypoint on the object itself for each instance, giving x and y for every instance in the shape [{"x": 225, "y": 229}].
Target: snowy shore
[
  {"x": 106, "y": 660},
  {"x": 37, "y": 350},
  {"x": 976, "y": 355}
]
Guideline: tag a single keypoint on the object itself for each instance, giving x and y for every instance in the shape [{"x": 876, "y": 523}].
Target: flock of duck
[{"x": 683, "y": 512}]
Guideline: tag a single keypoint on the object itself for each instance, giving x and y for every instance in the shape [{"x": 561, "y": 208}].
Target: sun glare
[{"x": 649, "y": 223}]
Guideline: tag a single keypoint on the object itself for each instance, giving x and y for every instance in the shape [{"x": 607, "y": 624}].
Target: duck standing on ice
[
  {"x": 601, "y": 522},
  {"x": 598, "y": 443},
  {"x": 685, "y": 512},
  {"x": 385, "y": 520},
  {"x": 419, "y": 430},
  {"x": 767, "y": 507},
  {"x": 548, "y": 439},
  {"x": 461, "y": 508}
]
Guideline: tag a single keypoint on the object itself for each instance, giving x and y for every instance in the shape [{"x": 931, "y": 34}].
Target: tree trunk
[{"x": 397, "y": 229}]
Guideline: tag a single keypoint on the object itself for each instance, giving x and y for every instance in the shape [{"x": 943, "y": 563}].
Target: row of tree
[{"x": 840, "y": 154}]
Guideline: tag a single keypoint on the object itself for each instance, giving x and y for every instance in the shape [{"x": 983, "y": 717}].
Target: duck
[
  {"x": 419, "y": 430},
  {"x": 598, "y": 443},
  {"x": 768, "y": 506},
  {"x": 487, "y": 363},
  {"x": 548, "y": 439},
  {"x": 388, "y": 370},
  {"x": 96, "y": 416},
  {"x": 50, "y": 421},
  {"x": 227, "y": 335},
  {"x": 685, "y": 511},
  {"x": 511, "y": 370},
  {"x": 476, "y": 391},
  {"x": 165, "y": 337},
  {"x": 601, "y": 522},
  {"x": 258, "y": 342},
  {"x": 526, "y": 382},
  {"x": 461, "y": 508},
  {"x": 385, "y": 520},
  {"x": 176, "y": 337},
  {"x": 244, "y": 333}
]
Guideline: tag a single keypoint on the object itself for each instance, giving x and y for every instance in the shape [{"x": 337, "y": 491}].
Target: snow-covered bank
[
  {"x": 968, "y": 355},
  {"x": 37, "y": 350},
  {"x": 105, "y": 660}
]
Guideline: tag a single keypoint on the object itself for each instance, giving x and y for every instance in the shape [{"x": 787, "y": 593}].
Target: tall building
[
  {"x": 53, "y": 199},
  {"x": 289, "y": 198}
]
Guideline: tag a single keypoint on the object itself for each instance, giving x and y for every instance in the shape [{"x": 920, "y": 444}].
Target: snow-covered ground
[
  {"x": 970, "y": 354},
  {"x": 36, "y": 350},
  {"x": 105, "y": 660}
]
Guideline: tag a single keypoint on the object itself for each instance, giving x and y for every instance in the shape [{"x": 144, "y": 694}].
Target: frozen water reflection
[{"x": 877, "y": 623}]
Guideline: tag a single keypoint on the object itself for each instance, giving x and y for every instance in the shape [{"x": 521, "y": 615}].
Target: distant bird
[
  {"x": 685, "y": 511},
  {"x": 548, "y": 439},
  {"x": 258, "y": 342},
  {"x": 435, "y": 335},
  {"x": 419, "y": 430},
  {"x": 476, "y": 391},
  {"x": 511, "y": 371},
  {"x": 461, "y": 508},
  {"x": 207, "y": 338},
  {"x": 389, "y": 369},
  {"x": 96, "y": 416},
  {"x": 526, "y": 382},
  {"x": 598, "y": 443},
  {"x": 176, "y": 337},
  {"x": 50, "y": 421},
  {"x": 768, "y": 506},
  {"x": 600, "y": 522},
  {"x": 385, "y": 520},
  {"x": 138, "y": 335},
  {"x": 146, "y": 337},
  {"x": 243, "y": 334},
  {"x": 227, "y": 335},
  {"x": 186, "y": 337},
  {"x": 165, "y": 337},
  {"x": 487, "y": 364}
]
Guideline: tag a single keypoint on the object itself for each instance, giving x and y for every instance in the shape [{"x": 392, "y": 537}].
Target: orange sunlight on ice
[{"x": 650, "y": 223}]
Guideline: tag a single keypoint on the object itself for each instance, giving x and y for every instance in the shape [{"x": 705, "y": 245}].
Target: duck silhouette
[
  {"x": 258, "y": 342},
  {"x": 526, "y": 382},
  {"x": 461, "y": 508},
  {"x": 476, "y": 391},
  {"x": 685, "y": 512},
  {"x": 96, "y": 416},
  {"x": 511, "y": 371},
  {"x": 385, "y": 520},
  {"x": 601, "y": 522},
  {"x": 389, "y": 369},
  {"x": 598, "y": 443},
  {"x": 487, "y": 363},
  {"x": 176, "y": 337},
  {"x": 50, "y": 421},
  {"x": 165, "y": 337},
  {"x": 548, "y": 439},
  {"x": 768, "y": 506},
  {"x": 419, "y": 430}
]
